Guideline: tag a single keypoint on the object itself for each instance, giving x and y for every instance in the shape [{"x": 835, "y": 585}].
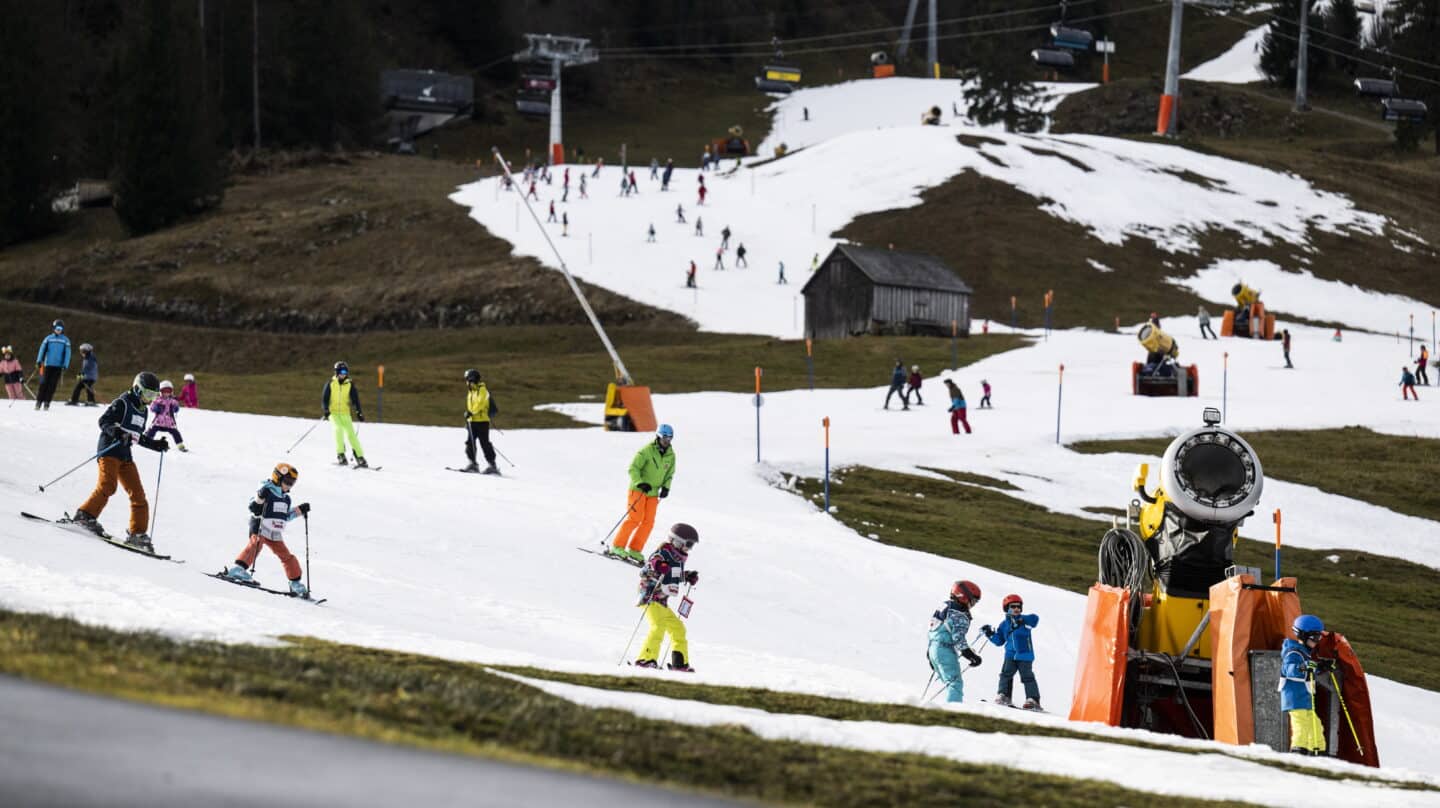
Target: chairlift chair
[
  {"x": 1376, "y": 88},
  {"x": 1053, "y": 57},
  {"x": 777, "y": 78},
  {"x": 1063, "y": 36},
  {"x": 1412, "y": 110},
  {"x": 533, "y": 96},
  {"x": 1213, "y": 5},
  {"x": 1365, "y": 6}
]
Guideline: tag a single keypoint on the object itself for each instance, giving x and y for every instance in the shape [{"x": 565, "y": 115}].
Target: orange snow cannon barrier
[
  {"x": 1244, "y": 617},
  {"x": 628, "y": 409},
  {"x": 1100, "y": 670}
]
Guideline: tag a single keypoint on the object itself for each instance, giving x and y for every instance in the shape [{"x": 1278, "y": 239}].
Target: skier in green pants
[{"x": 339, "y": 399}]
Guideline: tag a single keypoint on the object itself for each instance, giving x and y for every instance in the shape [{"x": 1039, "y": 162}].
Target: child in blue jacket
[
  {"x": 1014, "y": 634},
  {"x": 1297, "y": 685},
  {"x": 948, "y": 627}
]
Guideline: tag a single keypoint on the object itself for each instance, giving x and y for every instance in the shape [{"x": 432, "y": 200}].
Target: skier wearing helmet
[
  {"x": 1297, "y": 685},
  {"x": 190, "y": 393},
  {"x": 165, "y": 409},
  {"x": 270, "y": 511},
  {"x": 659, "y": 581},
  {"x": 52, "y": 360},
  {"x": 948, "y": 627},
  {"x": 339, "y": 399},
  {"x": 651, "y": 472},
  {"x": 479, "y": 408},
  {"x": 1014, "y": 634},
  {"x": 915, "y": 381},
  {"x": 122, "y": 424},
  {"x": 89, "y": 374},
  {"x": 12, "y": 373}
]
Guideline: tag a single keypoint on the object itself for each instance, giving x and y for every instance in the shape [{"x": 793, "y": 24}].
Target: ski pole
[
  {"x": 1346, "y": 711},
  {"x": 77, "y": 468},
  {"x": 924, "y": 694},
  {"x": 631, "y": 641},
  {"x": 155, "y": 514},
  {"x": 627, "y": 512},
  {"x": 303, "y": 437},
  {"x": 307, "y": 551},
  {"x": 502, "y": 454}
]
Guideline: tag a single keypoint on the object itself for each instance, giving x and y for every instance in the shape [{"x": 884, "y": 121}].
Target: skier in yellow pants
[
  {"x": 339, "y": 399},
  {"x": 1297, "y": 685},
  {"x": 659, "y": 581}
]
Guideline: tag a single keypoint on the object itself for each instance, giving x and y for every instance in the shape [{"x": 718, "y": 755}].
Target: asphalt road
[{"x": 64, "y": 748}]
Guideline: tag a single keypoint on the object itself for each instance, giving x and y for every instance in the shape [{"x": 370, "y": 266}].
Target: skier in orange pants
[{"x": 650, "y": 475}]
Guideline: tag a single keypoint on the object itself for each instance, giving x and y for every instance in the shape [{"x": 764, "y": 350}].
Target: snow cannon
[
  {"x": 628, "y": 409},
  {"x": 733, "y": 144},
  {"x": 1178, "y": 639},
  {"x": 1248, "y": 318},
  {"x": 1160, "y": 374}
]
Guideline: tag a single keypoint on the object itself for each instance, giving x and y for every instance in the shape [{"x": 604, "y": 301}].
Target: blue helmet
[
  {"x": 1308, "y": 625},
  {"x": 665, "y": 431}
]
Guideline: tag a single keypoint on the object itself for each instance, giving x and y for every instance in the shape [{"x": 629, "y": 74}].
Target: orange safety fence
[
  {"x": 1355, "y": 693},
  {"x": 1100, "y": 669}
]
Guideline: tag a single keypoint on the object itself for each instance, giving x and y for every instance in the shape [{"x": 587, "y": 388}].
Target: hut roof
[{"x": 897, "y": 268}]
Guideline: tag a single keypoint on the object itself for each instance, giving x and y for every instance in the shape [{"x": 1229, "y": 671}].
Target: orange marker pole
[
  {"x": 1225, "y": 387},
  {"x": 826, "y": 422},
  {"x": 1277, "y": 544},
  {"x": 810, "y": 363},
  {"x": 757, "y": 414},
  {"x": 380, "y": 395},
  {"x": 1012, "y": 312}
]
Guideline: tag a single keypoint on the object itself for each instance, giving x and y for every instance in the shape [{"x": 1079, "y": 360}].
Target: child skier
[
  {"x": 651, "y": 473},
  {"x": 1297, "y": 685},
  {"x": 189, "y": 393},
  {"x": 270, "y": 511},
  {"x": 478, "y": 410},
  {"x": 948, "y": 627},
  {"x": 660, "y": 581},
  {"x": 89, "y": 374},
  {"x": 985, "y": 389},
  {"x": 164, "y": 409},
  {"x": 915, "y": 381},
  {"x": 122, "y": 424},
  {"x": 338, "y": 399},
  {"x": 12, "y": 373},
  {"x": 957, "y": 408},
  {"x": 1407, "y": 383},
  {"x": 1014, "y": 634}
]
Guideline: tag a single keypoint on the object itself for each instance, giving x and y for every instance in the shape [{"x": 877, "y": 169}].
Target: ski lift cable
[
  {"x": 767, "y": 54},
  {"x": 1321, "y": 32},
  {"x": 1353, "y": 58},
  {"x": 767, "y": 18},
  {"x": 823, "y": 37}
]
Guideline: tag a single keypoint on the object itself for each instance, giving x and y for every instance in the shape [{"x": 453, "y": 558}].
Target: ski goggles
[
  {"x": 147, "y": 395},
  {"x": 1015, "y": 607},
  {"x": 59, "y": 329},
  {"x": 342, "y": 372}
]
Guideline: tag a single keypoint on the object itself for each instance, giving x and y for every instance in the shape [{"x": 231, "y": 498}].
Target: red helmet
[
  {"x": 1009, "y": 599},
  {"x": 966, "y": 592}
]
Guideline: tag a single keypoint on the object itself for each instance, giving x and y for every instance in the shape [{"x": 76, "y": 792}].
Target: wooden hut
[{"x": 866, "y": 290}]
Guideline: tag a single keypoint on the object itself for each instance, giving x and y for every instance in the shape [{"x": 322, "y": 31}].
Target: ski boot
[
  {"x": 360, "y": 463},
  {"x": 1031, "y": 704},
  {"x": 472, "y": 468},
  {"x": 646, "y": 663},
  {"x": 677, "y": 663},
  {"x": 88, "y": 522},
  {"x": 1003, "y": 700},
  {"x": 239, "y": 573},
  {"x": 72, "y": 403},
  {"x": 635, "y": 557},
  {"x": 181, "y": 447},
  {"x": 340, "y": 460},
  {"x": 297, "y": 589},
  {"x": 140, "y": 541},
  {"x": 491, "y": 469}
]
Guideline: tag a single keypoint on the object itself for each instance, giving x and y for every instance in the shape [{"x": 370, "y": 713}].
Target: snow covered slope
[{"x": 421, "y": 559}]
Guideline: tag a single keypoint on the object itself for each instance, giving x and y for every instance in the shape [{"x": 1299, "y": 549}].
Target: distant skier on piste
[
  {"x": 659, "y": 581},
  {"x": 122, "y": 424},
  {"x": 897, "y": 385},
  {"x": 1014, "y": 634},
  {"x": 339, "y": 399},
  {"x": 270, "y": 512},
  {"x": 651, "y": 472},
  {"x": 948, "y": 627},
  {"x": 479, "y": 408},
  {"x": 165, "y": 409}
]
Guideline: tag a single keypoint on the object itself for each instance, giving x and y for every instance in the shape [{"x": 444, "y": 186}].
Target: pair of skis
[
  {"x": 256, "y": 586},
  {"x": 610, "y": 556}
]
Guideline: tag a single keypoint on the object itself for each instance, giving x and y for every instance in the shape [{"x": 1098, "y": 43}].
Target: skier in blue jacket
[
  {"x": 1297, "y": 685},
  {"x": 1014, "y": 634},
  {"x": 948, "y": 627},
  {"x": 53, "y": 358}
]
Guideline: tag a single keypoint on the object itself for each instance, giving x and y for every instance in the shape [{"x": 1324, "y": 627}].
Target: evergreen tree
[
  {"x": 1281, "y": 44},
  {"x": 1342, "y": 22},
  {"x": 29, "y": 129},
  {"x": 330, "y": 95},
  {"x": 1417, "y": 40},
  {"x": 168, "y": 165},
  {"x": 1000, "y": 72}
]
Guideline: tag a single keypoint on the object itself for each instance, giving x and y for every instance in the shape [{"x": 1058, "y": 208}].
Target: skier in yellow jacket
[
  {"x": 478, "y": 409},
  {"x": 650, "y": 475},
  {"x": 340, "y": 399}
]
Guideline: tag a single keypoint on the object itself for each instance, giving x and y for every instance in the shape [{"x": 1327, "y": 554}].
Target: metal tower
[{"x": 561, "y": 52}]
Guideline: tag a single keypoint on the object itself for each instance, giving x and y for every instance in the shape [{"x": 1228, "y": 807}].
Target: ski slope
[
  {"x": 420, "y": 559},
  {"x": 1238, "y": 65}
]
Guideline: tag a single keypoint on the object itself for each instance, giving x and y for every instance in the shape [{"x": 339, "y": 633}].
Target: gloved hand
[
  {"x": 303, "y": 508},
  {"x": 643, "y": 488},
  {"x": 664, "y": 492},
  {"x": 1323, "y": 665},
  {"x": 160, "y": 445},
  {"x": 971, "y": 657},
  {"x": 987, "y": 631},
  {"x": 692, "y": 577},
  {"x": 359, "y": 416},
  {"x": 466, "y": 416},
  {"x": 256, "y": 508}
]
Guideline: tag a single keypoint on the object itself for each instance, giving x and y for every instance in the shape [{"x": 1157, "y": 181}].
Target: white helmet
[
  {"x": 189, "y": 377},
  {"x": 914, "y": 368},
  {"x": 167, "y": 385}
]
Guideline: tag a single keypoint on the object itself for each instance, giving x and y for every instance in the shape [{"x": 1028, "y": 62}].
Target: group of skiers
[
  {"x": 51, "y": 362},
  {"x": 949, "y": 643},
  {"x": 908, "y": 385}
]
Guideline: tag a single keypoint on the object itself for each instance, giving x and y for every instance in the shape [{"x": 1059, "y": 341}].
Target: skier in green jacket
[{"x": 650, "y": 474}]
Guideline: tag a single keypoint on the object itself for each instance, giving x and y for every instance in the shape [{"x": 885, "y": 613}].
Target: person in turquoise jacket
[
  {"x": 948, "y": 627},
  {"x": 1014, "y": 634},
  {"x": 1297, "y": 685},
  {"x": 52, "y": 360}
]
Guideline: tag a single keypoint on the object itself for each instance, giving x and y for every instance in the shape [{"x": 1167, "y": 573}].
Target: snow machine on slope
[
  {"x": 1180, "y": 640},
  {"x": 1160, "y": 374},
  {"x": 1248, "y": 318}
]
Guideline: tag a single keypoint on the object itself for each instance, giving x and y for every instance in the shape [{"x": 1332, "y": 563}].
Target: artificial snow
[{"x": 1238, "y": 65}]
